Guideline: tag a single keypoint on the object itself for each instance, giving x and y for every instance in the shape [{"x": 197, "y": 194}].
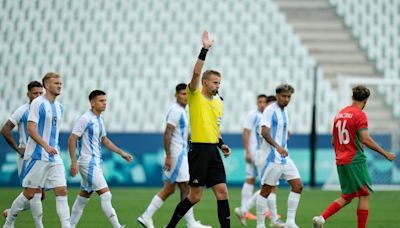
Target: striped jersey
[
  {"x": 252, "y": 123},
  {"x": 177, "y": 116},
  {"x": 47, "y": 116},
  {"x": 276, "y": 119},
  {"x": 20, "y": 118},
  {"x": 90, "y": 129}
]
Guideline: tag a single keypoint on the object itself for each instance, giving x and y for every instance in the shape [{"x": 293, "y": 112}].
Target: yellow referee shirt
[{"x": 205, "y": 117}]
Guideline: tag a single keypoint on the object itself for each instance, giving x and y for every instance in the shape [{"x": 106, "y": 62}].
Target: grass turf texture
[{"x": 131, "y": 202}]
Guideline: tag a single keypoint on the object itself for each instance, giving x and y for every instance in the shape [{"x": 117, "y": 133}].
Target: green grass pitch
[{"x": 131, "y": 202}]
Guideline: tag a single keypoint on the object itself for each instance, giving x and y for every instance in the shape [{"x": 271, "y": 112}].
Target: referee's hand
[{"x": 226, "y": 150}]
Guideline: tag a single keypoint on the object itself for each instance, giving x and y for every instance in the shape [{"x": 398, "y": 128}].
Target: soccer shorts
[
  {"x": 179, "y": 171},
  {"x": 92, "y": 177},
  {"x": 205, "y": 165},
  {"x": 20, "y": 165},
  {"x": 43, "y": 174},
  {"x": 251, "y": 170},
  {"x": 272, "y": 172},
  {"x": 354, "y": 180}
]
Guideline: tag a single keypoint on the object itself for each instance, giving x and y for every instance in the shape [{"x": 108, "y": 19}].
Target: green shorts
[{"x": 354, "y": 180}]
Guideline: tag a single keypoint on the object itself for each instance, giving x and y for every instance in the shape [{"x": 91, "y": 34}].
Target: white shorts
[
  {"x": 179, "y": 170},
  {"x": 43, "y": 174},
  {"x": 251, "y": 170},
  {"x": 274, "y": 171},
  {"x": 20, "y": 166},
  {"x": 92, "y": 177}
]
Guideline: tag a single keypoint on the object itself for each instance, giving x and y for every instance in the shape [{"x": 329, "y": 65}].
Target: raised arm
[
  {"x": 110, "y": 145},
  {"x": 207, "y": 43},
  {"x": 167, "y": 146},
  {"x": 367, "y": 140},
  {"x": 6, "y": 132},
  {"x": 73, "y": 170}
]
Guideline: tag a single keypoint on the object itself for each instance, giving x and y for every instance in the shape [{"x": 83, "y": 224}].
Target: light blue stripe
[
  {"x": 22, "y": 174},
  {"x": 274, "y": 129},
  {"x": 92, "y": 162},
  {"x": 257, "y": 123},
  {"x": 284, "y": 131},
  {"x": 182, "y": 125},
  {"x": 267, "y": 162},
  {"x": 37, "y": 153},
  {"x": 52, "y": 141},
  {"x": 178, "y": 165},
  {"x": 25, "y": 124},
  {"x": 100, "y": 121},
  {"x": 29, "y": 167}
]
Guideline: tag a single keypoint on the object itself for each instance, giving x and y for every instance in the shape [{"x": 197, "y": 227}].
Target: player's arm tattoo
[
  {"x": 6, "y": 132},
  {"x": 167, "y": 138}
]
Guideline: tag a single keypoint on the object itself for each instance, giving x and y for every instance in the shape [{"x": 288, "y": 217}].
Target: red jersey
[{"x": 346, "y": 139}]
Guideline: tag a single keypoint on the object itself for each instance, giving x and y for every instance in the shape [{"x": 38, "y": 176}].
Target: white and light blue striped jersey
[
  {"x": 90, "y": 129},
  {"x": 20, "y": 118},
  {"x": 177, "y": 116},
  {"x": 276, "y": 119},
  {"x": 253, "y": 124},
  {"x": 47, "y": 116}
]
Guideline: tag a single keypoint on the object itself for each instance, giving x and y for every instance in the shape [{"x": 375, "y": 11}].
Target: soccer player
[
  {"x": 20, "y": 118},
  {"x": 91, "y": 134},
  {"x": 44, "y": 166},
  {"x": 176, "y": 167},
  {"x": 350, "y": 133},
  {"x": 274, "y": 129},
  {"x": 205, "y": 162},
  {"x": 252, "y": 140}
]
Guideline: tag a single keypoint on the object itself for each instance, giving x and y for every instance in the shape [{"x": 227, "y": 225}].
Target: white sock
[
  {"x": 63, "y": 211},
  {"x": 77, "y": 209},
  {"x": 155, "y": 204},
  {"x": 261, "y": 206},
  {"x": 37, "y": 209},
  {"x": 247, "y": 191},
  {"x": 293, "y": 202},
  {"x": 250, "y": 203},
  {"x": 189, "y": 217},
  {"x": 109, "y": 210},
  {"x": 16, "y": 207},
  {"x": 271, "y": 201}
]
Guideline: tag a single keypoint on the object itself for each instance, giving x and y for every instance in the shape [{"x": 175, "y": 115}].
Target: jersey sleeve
[
  {"x": 103, "y": 132},
  {"x": 362, "y": 121},
  {"x": 173, "y": 117},
  {"x": 16, "y": 117},
  {"x": 192, "y": 95},
  {"x": 36, "y": 109},
  {"x": 248, "y": 121},
  {"x": 266, "y": 119},
  {"x": 80, "y": 127}
]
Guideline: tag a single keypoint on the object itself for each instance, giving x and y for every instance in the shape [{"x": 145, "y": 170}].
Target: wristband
[
  {"x": 203, "y": 53},
  {"x": 220, "y": 143}
]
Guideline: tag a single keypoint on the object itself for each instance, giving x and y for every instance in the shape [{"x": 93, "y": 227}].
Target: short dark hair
[
  {"x": 33, "y": 84},
  {"x": 96, "y": 93},
  {"x": 208, "y": 73},
  {"x": 284, "y": 88},
  {"x": 360, "y": 93},
  {"x": 180, "y": 86},
  {"x": 261, "y": 96},
  {"x": 271, "y": 98}
]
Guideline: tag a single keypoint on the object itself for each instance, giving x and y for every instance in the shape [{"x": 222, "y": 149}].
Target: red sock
[
  {"x": 330, "y": 210},
  {"x": 362, "y": 217}
]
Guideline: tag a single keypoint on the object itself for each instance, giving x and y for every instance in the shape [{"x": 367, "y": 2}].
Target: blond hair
[{"x": 49, "y": 76}]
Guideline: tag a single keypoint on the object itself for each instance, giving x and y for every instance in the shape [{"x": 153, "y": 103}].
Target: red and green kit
[{"x": 351, "y": 162}]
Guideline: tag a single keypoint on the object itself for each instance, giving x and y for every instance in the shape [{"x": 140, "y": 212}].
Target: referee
[{"x": 205, "y": 163}]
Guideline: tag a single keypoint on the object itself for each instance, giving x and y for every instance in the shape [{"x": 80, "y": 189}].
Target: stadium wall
[{"x": 146, "y": 169}]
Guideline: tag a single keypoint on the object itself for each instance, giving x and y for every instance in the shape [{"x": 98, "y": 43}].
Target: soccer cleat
[
  {"x": 197, "y": 224},
  {"x": 260, "y": 226},
  {"x": 291, "y": 225},
  {"x": 250, "y": 216},
  {"x": 241, "y": 217},
  {"x": 145, "y": 222},
  {"x": 277, "y": 223},
  {"x": 318, "y": 221},
  {"x": 122, "y": 226}
]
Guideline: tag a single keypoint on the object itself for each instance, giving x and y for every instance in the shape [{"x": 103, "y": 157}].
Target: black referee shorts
[{"x": 205, "y": 165}]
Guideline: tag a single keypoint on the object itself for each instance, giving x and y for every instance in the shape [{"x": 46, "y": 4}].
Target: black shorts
[{"x": 205, "y": 165}]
